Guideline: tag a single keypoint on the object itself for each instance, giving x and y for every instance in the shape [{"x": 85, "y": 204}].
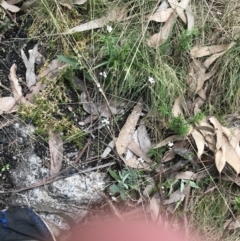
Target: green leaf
[
  {"x": 71, "y": 61},
  {"x": 182, "y": 185},
  {"x": 114, "y": 189},
  {"x": 114, "y": 175},
  {"x": 193, "y": 184}
]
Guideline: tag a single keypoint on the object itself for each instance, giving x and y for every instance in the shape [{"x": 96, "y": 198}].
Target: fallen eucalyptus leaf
[
  {"x": 199, "y": 141},
  {"x": 30, "y": 66},
  {"x": 197, "y": 52},
  {"x": 220, "y": 160},
  {"x": 9, "y": 7},
  {"x": 126, "y": 133},
  {"x": 161, "y": 16},
  {"x": 218, "y": 130},
  {"x": 188, "y": 175},
  {"x": 15, "y": 86},
  {"x": 7, "y": 105},
  {"x": 56, "y": 152},
  {"x": 159, "y": 38},
  {"x": 115, "y": 15},
  {"x": 143, "y": 139}
]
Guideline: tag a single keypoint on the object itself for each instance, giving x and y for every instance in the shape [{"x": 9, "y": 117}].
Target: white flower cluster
[
  {"x": 99, "y": 87},
  {"x": 105, "y": 121},
  {"x": 103, "y": 74},
  {"x": 109, "y": 28},
  {"x": 151, "y": 80}
]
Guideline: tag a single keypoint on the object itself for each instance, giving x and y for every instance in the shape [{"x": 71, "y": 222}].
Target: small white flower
[
  {"x": 105, "y": 121},
  {"x": 104, "y": 74},
  {"x": 151, "y": 80},
  {"x": 114, "y": 199},
  {"x": 219, "y": 13},
  {"x": 100, "y": 89},
  {"x": 140, "y": 160},
  {"x": 170, "y": 144},
  {"x": 98, "y": 85},
  {"x": 163, "y": 187},
  {"x": 109, "y": 28}
]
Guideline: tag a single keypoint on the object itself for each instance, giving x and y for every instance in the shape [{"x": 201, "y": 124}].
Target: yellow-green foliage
[{"x": 45, "y": 113}]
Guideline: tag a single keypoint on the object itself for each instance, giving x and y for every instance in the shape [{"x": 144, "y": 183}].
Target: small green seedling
[
  {"x": 179, "y": 125},
  {"x": 191, "y": 183},
  {"x": 237, "y": 203},
  {"x": 127, "y": 182},
  {"x": 6, "y": 168}
]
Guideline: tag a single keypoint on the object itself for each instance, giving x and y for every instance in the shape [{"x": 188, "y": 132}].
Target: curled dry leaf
[
  {"x": 126, "y": 133},
  {"x": 79, "y": 2},
  {"x": 177, "y": 107},
  {"x": 130, "y": 154},
  {"x": 40, "y": 59},
  {"x": 66, "y": 4},
  {"x": 212, "y": 58},
  {"x": 133, "y": 147},
  {"x": 115, "y": 15},
  {"x": 190, "y": 17},
  {"x": 167, "y": 140},
  {"x": 176, "y": 149},
  {"x": 199, "y": 141},
  {"x": 230, "y": 154},
  {"x": 143, "y": 139},
  {"x": 179, "y": 7},
  {"x": 233, "y": 135},
  {"x": 188, "y": 175},
  {"x": 9, "y": 7},
  {"x": 211, "y": 142},
  {"x": 161, "y": 16},
  {"x": 7, "y": 105},
  {"x": 30, "y": 66},
  {"x": 15, "y": 86},
  {"x": 220, "y": 160},
  {"x": 198, "y": 52},
  {"x": 218, "y": 130},
  {"x": 159, "y": 38},
  {"x": 108, "y": 149},
  {"x": 56, "y": 152}
]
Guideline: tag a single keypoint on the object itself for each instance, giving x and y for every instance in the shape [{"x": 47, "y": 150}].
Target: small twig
[{"x": 82, "y": 151}]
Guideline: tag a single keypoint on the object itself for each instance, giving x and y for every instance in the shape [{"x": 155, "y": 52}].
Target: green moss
[{"x": 45, "y": 114}]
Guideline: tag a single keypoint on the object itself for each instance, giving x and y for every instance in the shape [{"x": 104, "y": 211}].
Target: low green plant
[
  {"x": 237, "y": 203},
  {"x": 127, "y": 183},
  {"x": 6, "y": 25},
  {"x": 179, "y": 125},
  {"x": 186, "y": 38},
  {"x": 196, "y": 119},
  {"x": 5, "y": 168}
]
